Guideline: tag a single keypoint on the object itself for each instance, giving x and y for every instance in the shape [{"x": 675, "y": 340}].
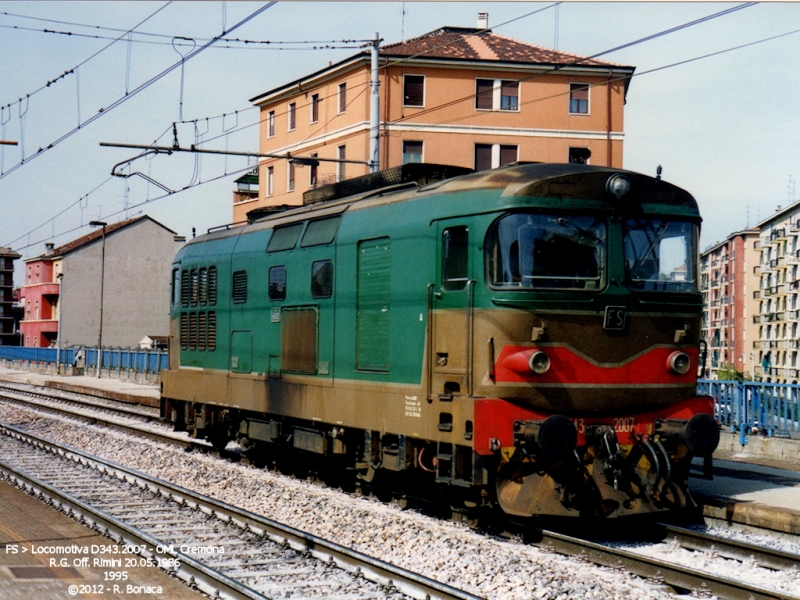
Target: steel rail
[
  {"x": 765, "y": 557},
  {"x": 185, "y": 443},
  {"x": 671, "y": 574},
  {"x": 373, "y": 569},
  {"x": 88, "y": 402}
]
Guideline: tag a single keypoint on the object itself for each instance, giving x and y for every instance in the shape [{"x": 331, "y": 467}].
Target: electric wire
[
  {"x": 104, "y": 111},
  {"x": 656, "y": 69},
  {"x": 86, "y": 60},
  {"x": 580, "y": 60},
  {"x": 248, "y": 44}
]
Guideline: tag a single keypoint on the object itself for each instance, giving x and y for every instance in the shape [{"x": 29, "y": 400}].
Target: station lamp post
[{"x": 102, "y": 286}]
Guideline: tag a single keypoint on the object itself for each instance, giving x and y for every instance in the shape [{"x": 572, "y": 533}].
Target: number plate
[{"x": 615, "y": 319}]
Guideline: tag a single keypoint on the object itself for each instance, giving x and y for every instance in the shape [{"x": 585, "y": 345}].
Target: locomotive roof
[{"x": 531, "y": 179}]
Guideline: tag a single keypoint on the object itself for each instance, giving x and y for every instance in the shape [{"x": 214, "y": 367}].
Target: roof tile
[{"x": 478, "y": 44}]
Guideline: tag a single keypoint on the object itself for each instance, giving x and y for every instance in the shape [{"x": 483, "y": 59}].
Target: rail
[
  {"x": 121, "y": 363},
  {"x": 748, "y": 407}
]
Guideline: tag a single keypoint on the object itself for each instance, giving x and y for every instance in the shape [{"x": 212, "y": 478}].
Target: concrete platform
[
  {"x": 28, "y": 526},
  {"x": 757, "y": 484},
  {"x": 109, "y": 388}
]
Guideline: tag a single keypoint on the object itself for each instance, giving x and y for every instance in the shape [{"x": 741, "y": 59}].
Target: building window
[
  {"x": 579, "y": 98},
  {"x": 483, "y": 157},
  {"x": 290, "y": 177},
  {"x": 413, "y": 90},
  {"x": 313, "y": 170},
  {"x": 270, "y": 181},
  {"x": 579, "y": 156},
  {"x": 342, "y": 97},
  {"x": 292, "y": 115},
  {"x": 341, "y": 154},
  {"x": 496, "y": 94},
  {"x": 508, "y": 155},
  {"x": 484, "y": 90},
  {"x": 314, "y": 108},
  {"x": 509, "y": 95},
  {"x": 412, "y": 152},
  {"x": 491, "y": 156},
  {"x": 271, "y": 124}
]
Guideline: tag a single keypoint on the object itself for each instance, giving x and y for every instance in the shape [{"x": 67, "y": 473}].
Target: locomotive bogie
[{"x": 458, "y": 335}]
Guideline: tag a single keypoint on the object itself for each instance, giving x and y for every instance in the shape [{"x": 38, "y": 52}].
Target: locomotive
[{"x": 524, "y": 339}]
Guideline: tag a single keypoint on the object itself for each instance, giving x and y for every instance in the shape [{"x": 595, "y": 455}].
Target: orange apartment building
[{"x": 459, "y": 96}]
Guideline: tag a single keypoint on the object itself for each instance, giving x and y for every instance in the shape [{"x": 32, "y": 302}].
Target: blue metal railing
[
  {"x": 771, "y": 409},
  {"x": 117, "y": 361}
]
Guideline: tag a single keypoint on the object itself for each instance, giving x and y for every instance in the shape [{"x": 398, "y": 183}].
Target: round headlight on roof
[{"x": 618, "y": 185}]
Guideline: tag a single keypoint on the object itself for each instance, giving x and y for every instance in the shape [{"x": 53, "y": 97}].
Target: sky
[{"x": 725, "y": 127}]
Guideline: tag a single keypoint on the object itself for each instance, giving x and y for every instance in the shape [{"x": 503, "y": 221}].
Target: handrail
[{"x": 468, "y": 366}]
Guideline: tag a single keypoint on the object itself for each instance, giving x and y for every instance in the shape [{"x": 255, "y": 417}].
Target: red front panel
[{"x": 494, "y": 419}]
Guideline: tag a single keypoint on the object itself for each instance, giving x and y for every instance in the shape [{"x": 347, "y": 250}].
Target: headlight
[
  {"x": 679, "y": 362},
  {"x": 539, "y": 362},
  {"x": 618, "y": 185}
]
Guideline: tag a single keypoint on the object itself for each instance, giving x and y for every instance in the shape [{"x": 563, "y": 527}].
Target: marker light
[
  {"x": 539, "y": 362},
  {"x": 679, "y": 362},
  {"x": 618, "y": 185}
]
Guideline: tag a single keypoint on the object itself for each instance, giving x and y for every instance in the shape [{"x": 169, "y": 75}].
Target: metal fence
[
  {"x": 771, "y": 409},
  {"x": 122, "y": 363}
]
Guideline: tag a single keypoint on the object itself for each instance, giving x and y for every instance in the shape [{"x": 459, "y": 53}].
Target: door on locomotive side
[{"x": 452, "y": 305}]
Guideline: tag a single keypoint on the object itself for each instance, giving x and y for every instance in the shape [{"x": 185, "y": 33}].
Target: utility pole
[
  {"x": 7, "y": 143},
  {"x": 102, "y": 224},
  {"x": 374, "y": 110}
]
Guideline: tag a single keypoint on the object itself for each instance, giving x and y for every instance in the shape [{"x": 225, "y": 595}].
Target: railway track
[
  {"x": 659, "y": 571},
  {"x": 680, "y": 577},
  {"x": 221, "y": 550},
  {"x": 139, "y": 421}
]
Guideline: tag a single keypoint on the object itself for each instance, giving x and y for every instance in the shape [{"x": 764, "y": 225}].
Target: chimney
[
  {"x": 483, "y": 20},
  {"x": 48, "y": 248}
]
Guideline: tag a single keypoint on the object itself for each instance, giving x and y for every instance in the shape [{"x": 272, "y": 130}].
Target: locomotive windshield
[
  {"x": 660, "y": 255},
  {"x": 535, "y": 251}
]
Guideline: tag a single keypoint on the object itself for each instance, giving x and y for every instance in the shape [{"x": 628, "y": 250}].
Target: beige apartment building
[
  {"x": 778, "y": 309},
  {"x": 751, "y": 289},
  {"x": 459, "y": 96}
]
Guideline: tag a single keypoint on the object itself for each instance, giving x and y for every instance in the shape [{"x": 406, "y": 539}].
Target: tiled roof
[
  {"x": 462, "y": 43},
  {"x": 8, "y": 252}
]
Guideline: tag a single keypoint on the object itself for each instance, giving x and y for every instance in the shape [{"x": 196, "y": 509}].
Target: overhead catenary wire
[
  {"x": 605, "y": 52},
  {"x": 134, "y": 92},
  {"x": 92, "y": 56},
  {"x": 580, "y": 60}
]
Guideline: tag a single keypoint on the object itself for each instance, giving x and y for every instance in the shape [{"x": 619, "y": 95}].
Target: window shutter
[
  {"x": 414, "y": 90},
  {"x": 483, "y": 157},
  {"x": 484, "y": 94}
]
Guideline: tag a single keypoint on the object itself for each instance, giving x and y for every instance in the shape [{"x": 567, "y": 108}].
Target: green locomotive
[{"x": 526, "y": 337}]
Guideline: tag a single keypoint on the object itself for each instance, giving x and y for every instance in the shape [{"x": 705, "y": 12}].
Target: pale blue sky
[{"x": 725, "y": 127}]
